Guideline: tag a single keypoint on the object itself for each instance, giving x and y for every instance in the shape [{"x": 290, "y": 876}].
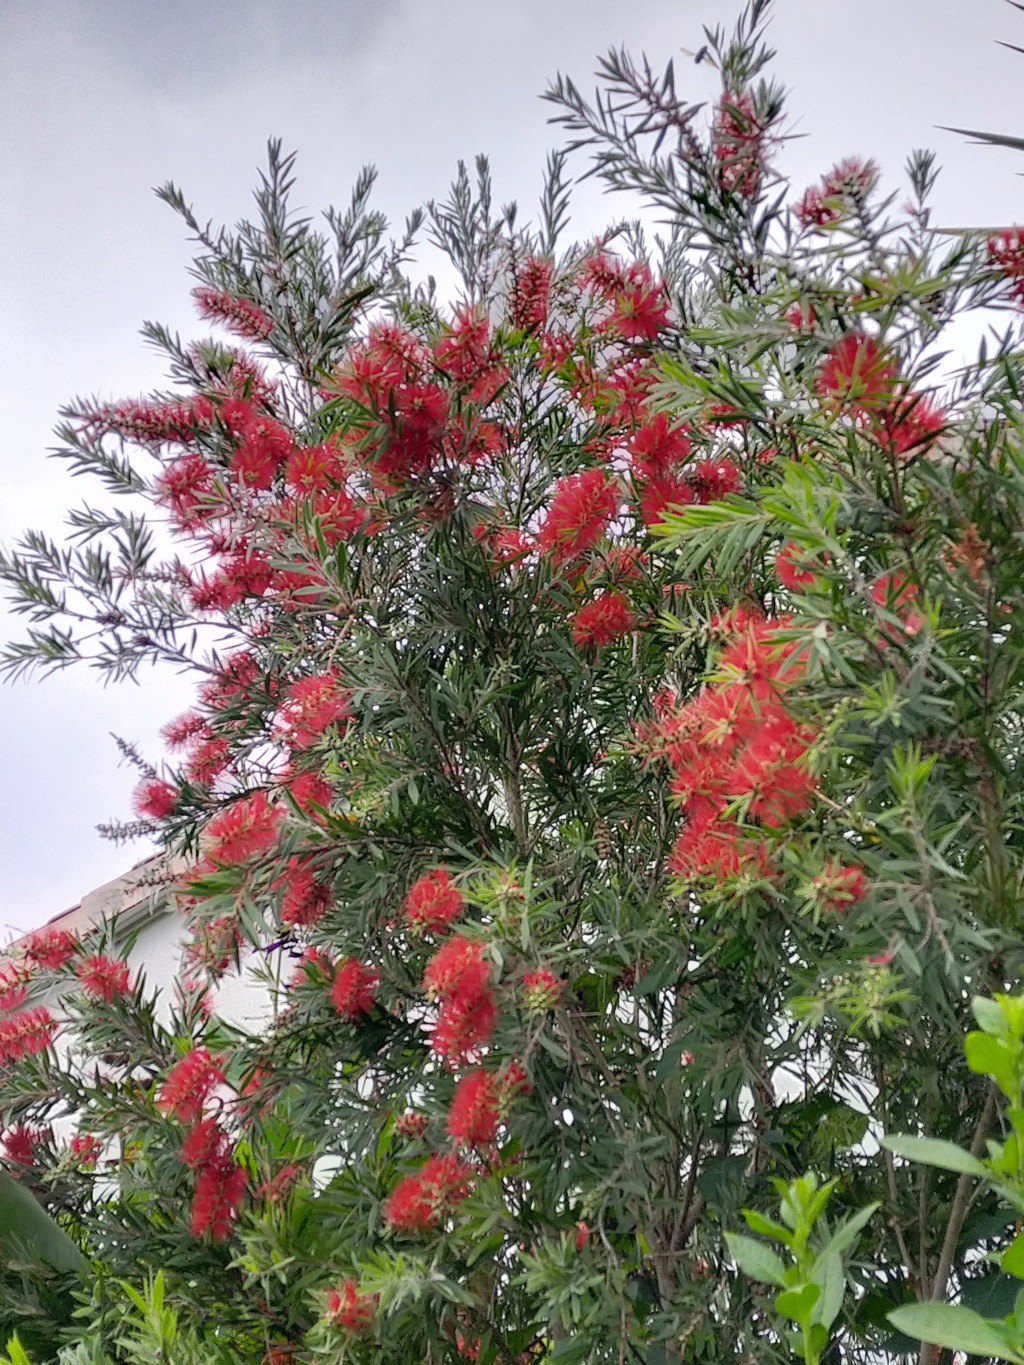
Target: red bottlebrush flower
[
  {"x": 657, "y": 448},
  {"x": 177, "y": 733},
  {"x": 304, "y": 900},
  {"x": 275, "y": 1190},
  {"x": 265, "y": 446},
  {"x": 347, "y": 1309},
  {"x": 205, "y": 1144},
  {"x": 208, "y": 760},
  {"x": 219, "y": 1191},
  {"x": 418, "y": 1202},
  {"x": 186, "y": 489},
  {"x": 457, "y": 971},
  {"x": 310, "y": 791},
  {"x": 601, "y": 621},
  {"x": 530, "y": 297},
  {"x": 21, "y": 1144},
  {"x": 712, "y": 480},
  {"x": 911, "y": 426},
  {"x": 582, "y": 1235},
  {"x": 411, "y": 1125},
  {"x": 410, "y": 1207},
  {"x": 103, "y": 978},
  {"x": 187, "y": 1086},
  {"x": 837, "y": 887},
  {"x": 665, "y": 493},
  {"x": 245, "y": 828},
  {"x": 155, "y": 799},
  {"x": 541, "y": 991},
  {"x": 86, "y": 1149},
  {"x": 801, "y": 316},
  {"x": 1006, "y": 254},
  {"x": 513, "y": 1082},
  {"x": 314, "y": 468},
  {"x": 433, "y": 903},
  {"x": 25, "y": 1033},
  {"x": 858, "y": 373},
  {"x": 49, "y": 949},
  {"x": 583, "y": 506},
  {"x": 463, "y": 1027},
  {"x": 896, "y": 594},
  {"x": 353, "y": 990},
  {"x": 310, "y": 707},
  {"x": 473, "y": 1117},
  {"x": 814, "y": 210},
  {"x": 244, "y": 318},
  {"x": 465, "y": 352},
  {"x": 738, "y": 143},
  {"x": 789, "y": 570},
  {"x": 640, "y": 310}
]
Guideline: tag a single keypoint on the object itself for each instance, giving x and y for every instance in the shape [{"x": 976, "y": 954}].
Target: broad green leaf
[
  {"x": 1012, "y": 1259},
  {"x": 755, "y": 1259},
  {"x": 959, "y": 1329},
  {"x": 26, "y": 1226},
  {"x": 799, "y": 1304},
  {"x": 989, "y": 1014},
  {"x": 757, "y": 1222},
  {"x": 934, "y": 1152},
  {"x": 830, "y": 1275},
  {"x": 987, "y": 1056}
]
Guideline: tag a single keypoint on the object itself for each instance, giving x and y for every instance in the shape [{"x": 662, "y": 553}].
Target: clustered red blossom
[
  {"x": 244, "y": 318},
  {"x": 474, "y": 1112},
  {"x": 1006, "y": 254},
  {"x": 22, "y": 1143},
  {"x": 347, "y": 1308},
  {"x": 104, "y": 978},
  {"x": 310, "y": 707},
  {"x": 304, "y": 899},
  {"x": 602, "y": 620},
  {"x": 897, "y": 595},
  {"x": 846, "y": 186},
  {"x": 188, "y": 1084},
  {"x": 50, "y": 948},
  {"x": 582, "y": 507},
  {"x": 739, "y": 143},
  {"x": 419, "y": 1202},
  {"x": 636, "y": 308},
  {"x": 353, "y": 988},
  {"x": 86, "y": 1149},
  {"x": 245, "y": 828},
  {"x": 541, "y": 991},
  {"x": 737, "y": 742},
  {"x": 155, "y": 798},
  {"x": 837, "y": 886},
  {"x": 861, "y": 377},
  {"x": 433, "y": 904},
  {"x": 25, "y": 1033},
  {"x": 791, "y": 568}
]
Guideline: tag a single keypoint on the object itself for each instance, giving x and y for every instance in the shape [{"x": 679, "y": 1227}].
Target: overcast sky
[{"x": 102, "y": 99}]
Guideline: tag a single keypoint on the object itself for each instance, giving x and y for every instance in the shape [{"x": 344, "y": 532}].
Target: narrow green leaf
[{"x": 934, "y": 1152}]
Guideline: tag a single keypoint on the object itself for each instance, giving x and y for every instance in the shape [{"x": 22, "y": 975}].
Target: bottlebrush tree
[{"x": 607, "y": 709}]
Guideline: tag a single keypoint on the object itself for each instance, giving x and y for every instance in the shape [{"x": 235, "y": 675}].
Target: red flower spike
[
  {"x": 219, "y": 1191},
  {"x": 894, "y": 592},
  {"x": 473, "y": 1117},
  {"x": 240, "y": 316},
  {"x": 457, "y": 971},
  {"x": 103, "y": 978},
  {"x": 418, "y": 1202},
  {"x": 310, "y": 707},
  {"x": 21, "y": 1144},
  {"x": 658, "y": 448},
  {"x": 606, "y": 619},
  {"x": 583, "y": 506},
  {"x": 463, "y": 1027},
  {"x": 789, "y": 570},
  {"x": 346, "y": 1308},
  {"x": 206, "y": 1143},
  {"x": 304, "y": 900},
  {"x": 530, "y": 297},
  {"x": 86, "y": 1149},
  {"x": 353, "y": 990},
  {"x": 837, "y": 887},
  {"x": 155, "y": 799},
  {"x": 433, "y": 903},
  {"x": 26, "y": 1033},
  {"x": 541, "y": 991},
  {"x": 411, "y": 1125},
  {"x": 247, "y": 827},
  {"x": 187, "y": 1086},
  {"x": 858, "y": 373},
  {"x": 50, "y": 949}
]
